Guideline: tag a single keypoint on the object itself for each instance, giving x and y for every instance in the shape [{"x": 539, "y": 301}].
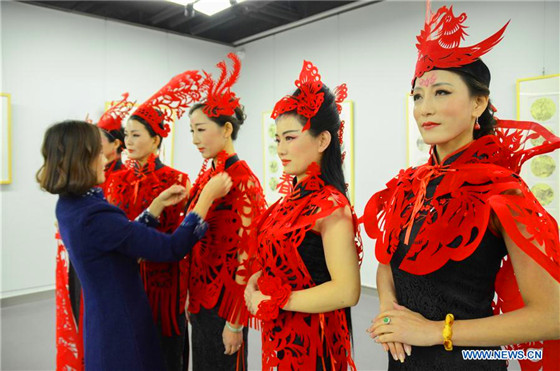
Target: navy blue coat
[{"x": 119, "y": 332}]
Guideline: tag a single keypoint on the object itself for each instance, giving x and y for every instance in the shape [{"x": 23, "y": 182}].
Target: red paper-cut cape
[
  {"x": 483, "y": 180},
  {"x": 280, "y": 232},
  {"x": 214, "y": 259},
  {"x": 132, "y": 190},
  {"x": 69, "y": 336}
]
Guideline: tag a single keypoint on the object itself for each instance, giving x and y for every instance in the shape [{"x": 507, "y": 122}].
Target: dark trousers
[
  {"x": 176, "y": 348},
  {"x": 208, "y": 346}
]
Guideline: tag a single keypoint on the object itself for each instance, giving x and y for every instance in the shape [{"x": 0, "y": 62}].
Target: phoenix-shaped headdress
[
  {"x": 171, "y": 100},
  {"x": 220, "y": 100},
  {"x": 439, "y": 42}
]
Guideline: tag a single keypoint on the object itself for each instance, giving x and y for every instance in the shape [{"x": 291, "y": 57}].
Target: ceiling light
[
  {"x": 211, "y": 7},
  {"x": 208, "y": 7}
]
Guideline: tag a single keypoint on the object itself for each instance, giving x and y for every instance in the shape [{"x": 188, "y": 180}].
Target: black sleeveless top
[
  {"x": 464, "y": 288},
  {"x": 313, "y": 256}
]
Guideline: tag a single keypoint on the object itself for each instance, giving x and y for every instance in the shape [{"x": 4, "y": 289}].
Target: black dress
[
  {"x": 312, "y": 254},
  {"x": 464, "y": 288}
]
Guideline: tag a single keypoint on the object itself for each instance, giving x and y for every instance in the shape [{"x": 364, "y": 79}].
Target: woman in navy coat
[{"x": 104, "y": 247}]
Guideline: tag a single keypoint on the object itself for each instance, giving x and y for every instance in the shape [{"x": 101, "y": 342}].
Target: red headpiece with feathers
[
  {"x": 112, "y": 118},
  {"x": 220, "y": 100},
  {"x": 173, "y": 99},
  {"x": 438, "y": 43},
  {"x": 309, "y": 100}
]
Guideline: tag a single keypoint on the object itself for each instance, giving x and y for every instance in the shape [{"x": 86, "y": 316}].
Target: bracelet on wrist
[
  {"x": 234, "y": 329},
  {"x": 448, "y": 332}
]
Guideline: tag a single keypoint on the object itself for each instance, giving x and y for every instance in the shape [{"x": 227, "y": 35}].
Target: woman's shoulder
[{"x": 79, "y": 208}]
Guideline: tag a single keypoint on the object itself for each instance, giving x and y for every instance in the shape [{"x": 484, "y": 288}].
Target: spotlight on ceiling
[{"x": 208, "y": 7}]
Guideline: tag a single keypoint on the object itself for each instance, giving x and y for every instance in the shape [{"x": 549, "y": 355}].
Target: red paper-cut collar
[
  {"x": 438, "y": 43},
  {"x": 171, "y": 100},
  {"x": 112, "y": 118},
  {"x": 220, "y": 100}
]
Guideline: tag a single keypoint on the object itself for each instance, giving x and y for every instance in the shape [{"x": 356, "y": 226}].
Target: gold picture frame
[
  {"x": 538, "y": 100},
  {"x": 6, "y": 139}
]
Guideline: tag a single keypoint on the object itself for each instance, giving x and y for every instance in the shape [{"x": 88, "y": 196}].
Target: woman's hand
[
  {"x": 255, "y": 299},
  {"x": 406, "y": 327},
  {"x": 217, "y": 187},
  {"x": 172, "y": 195},
  {"x": 399, "y": 351},
  {"x": 251, "y": 288},
  {"x": 232, "y": 340}
]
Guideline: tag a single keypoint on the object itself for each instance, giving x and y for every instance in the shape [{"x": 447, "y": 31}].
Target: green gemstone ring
[{"x": 386, "y": 320}]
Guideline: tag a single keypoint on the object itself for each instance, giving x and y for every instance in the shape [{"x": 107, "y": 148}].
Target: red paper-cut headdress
[
  {"x": 438, "y": 43},
  {"x": 112, "y": 118},
  {"x": 173, "y": 99},
  {"x": 308, "y": 102},
  {"x": 220, "y": 100}
]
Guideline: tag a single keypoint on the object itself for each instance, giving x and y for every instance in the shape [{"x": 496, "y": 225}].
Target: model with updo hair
[
  {"x": 217, "y": 263},
  {"x": 468, "y": 258}
]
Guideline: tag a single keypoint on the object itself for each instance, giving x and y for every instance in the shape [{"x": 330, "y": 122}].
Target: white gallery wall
[{"x": 58, "y": 65}]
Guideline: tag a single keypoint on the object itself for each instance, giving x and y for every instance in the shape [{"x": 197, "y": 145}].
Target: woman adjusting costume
[
  {"x": 69, "y": 298},
  {"x": 104, "y": 246}
]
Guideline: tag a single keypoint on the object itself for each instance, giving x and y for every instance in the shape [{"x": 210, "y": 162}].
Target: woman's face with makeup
[
  {"x": 443, "y": 108},
  {"x": 296, "y": 149}
]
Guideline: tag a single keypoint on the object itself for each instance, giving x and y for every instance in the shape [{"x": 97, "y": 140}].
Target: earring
[{"x": 476, "y": 125}]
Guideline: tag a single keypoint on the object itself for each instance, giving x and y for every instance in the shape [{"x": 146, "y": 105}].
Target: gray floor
[{"x": 28, "y": 335}]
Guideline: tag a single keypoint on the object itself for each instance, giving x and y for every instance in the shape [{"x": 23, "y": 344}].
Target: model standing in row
[
  {"x": 308, "y": 249},
  {"x": 217, "y": 274},
  {"x": 464, "y": 226}
]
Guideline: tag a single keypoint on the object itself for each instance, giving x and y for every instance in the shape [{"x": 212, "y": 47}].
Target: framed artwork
[
  {"x": 6, "y": 139},
  {"x": 166, "y": 152},
  {"x": 538, "y": 100},
  {"x": 417, "y": 152},
  {"x": 273, "y": 166}
]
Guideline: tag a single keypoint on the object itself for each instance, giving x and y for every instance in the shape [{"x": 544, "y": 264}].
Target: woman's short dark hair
[
  {"x": 148, "y": 127},
  {"x": 236, "y": 121},
  {"x": 327, "y": 119},
  {"x": 70, "y": 148},
  {"x": 114, "y": 135}
]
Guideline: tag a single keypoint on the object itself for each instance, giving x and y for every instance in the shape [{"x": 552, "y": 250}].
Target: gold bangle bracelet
[{"x": 448, "y": 332}]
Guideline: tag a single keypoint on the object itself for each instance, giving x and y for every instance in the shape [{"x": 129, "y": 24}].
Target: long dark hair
[
  {"x": 327, "y": 119},
  {"x": 236, "y": 120}
]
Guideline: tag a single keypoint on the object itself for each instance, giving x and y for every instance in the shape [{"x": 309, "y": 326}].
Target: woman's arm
[
  {"x": 537, "y": 320},
  {"x": 109, "y": 229},
  {"x": 343, "y": 290},
  {"x": 388, "y": 296}
]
